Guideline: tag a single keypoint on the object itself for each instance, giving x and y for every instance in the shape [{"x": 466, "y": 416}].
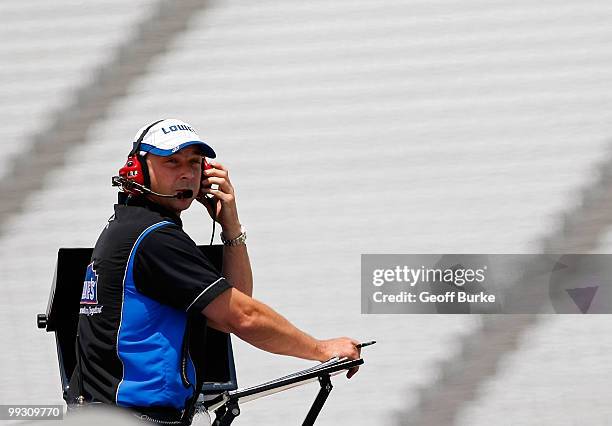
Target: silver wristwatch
[{"x": 238, "y": 241}]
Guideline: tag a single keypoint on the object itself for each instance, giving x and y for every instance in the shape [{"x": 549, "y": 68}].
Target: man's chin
[
  {"x": 185, "y": 203},
  {"x": 177, "y": 205},
  {"x": 182, "y": 203}
]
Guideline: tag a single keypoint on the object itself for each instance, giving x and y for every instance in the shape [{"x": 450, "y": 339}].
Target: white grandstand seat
[
  {"x": 351, "y": 127},
  {"x": 49, "y": 50}
]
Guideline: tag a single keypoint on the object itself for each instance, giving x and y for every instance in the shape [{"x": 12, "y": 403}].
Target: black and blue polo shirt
[{"x": 146, "y": 277}]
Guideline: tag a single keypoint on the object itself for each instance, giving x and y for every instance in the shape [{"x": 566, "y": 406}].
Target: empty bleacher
[
  {"x": 49, "y": 51},
  {"x": 349, "y": 127}
]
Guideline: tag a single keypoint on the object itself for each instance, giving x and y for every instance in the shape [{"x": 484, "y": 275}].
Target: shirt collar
[{"x": 142, "y": 201}]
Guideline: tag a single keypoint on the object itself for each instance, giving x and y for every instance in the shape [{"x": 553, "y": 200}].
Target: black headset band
[{"x": 136, "y": 146}]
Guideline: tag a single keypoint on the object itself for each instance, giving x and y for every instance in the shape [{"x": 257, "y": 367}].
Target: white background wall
[{"x": 349, "y": 128}]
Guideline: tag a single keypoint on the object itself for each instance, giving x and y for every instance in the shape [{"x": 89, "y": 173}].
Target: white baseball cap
[{"x": 168, "y": 136}]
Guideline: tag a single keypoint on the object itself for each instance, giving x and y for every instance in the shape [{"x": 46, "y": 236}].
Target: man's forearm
[
  {"x": 258, "y": 324},
  {"x": 237, "y": 268},
  {"x": 236, "y": 263},
  {"x": 270, "y": 331}
]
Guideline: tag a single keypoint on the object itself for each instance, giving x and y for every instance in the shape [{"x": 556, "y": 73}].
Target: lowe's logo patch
[
  {"x": 176, "y": 128},
  {"x": 90, "y": 287}
]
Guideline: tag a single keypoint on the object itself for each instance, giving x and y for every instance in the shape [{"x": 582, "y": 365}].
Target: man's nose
[{"x": 187, "y": 172}]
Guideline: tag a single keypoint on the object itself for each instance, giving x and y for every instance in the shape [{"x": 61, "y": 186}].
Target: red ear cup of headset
[
  {"x": 132, "y": 170},
  {"x": 205, "y": 165},
  {"x": 135, "y": 170}
]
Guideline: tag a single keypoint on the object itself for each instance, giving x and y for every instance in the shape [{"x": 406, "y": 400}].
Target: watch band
[{"x": 238, "y": 241}]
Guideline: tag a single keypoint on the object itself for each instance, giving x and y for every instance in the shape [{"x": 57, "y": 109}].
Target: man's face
[{"x": 178, "y": 172}]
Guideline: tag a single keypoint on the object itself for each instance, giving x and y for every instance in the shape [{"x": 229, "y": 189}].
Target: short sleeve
[{"x": 169, "y": 268}]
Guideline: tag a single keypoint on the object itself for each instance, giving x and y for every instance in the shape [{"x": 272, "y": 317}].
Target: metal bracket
[
  {"x": 225, "y": 415},
  {"x": 317, "y": 405}
]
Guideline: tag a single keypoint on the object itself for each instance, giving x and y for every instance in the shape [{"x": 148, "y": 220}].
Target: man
[{"x": 147, "y": 277}]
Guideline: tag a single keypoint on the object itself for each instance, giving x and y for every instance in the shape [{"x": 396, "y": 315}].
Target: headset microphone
[{"x": 133, "y": 187}]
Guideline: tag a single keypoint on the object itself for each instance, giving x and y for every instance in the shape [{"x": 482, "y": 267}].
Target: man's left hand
[{"x": 223, "y": 201}]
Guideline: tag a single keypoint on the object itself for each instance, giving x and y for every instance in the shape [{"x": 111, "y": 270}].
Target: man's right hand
[{"x": 341, "y": 347}]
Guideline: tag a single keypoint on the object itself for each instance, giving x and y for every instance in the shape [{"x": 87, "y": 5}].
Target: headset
[
  {"x": 134, "y": 175},
  {"x": 134, "y": 179}
]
